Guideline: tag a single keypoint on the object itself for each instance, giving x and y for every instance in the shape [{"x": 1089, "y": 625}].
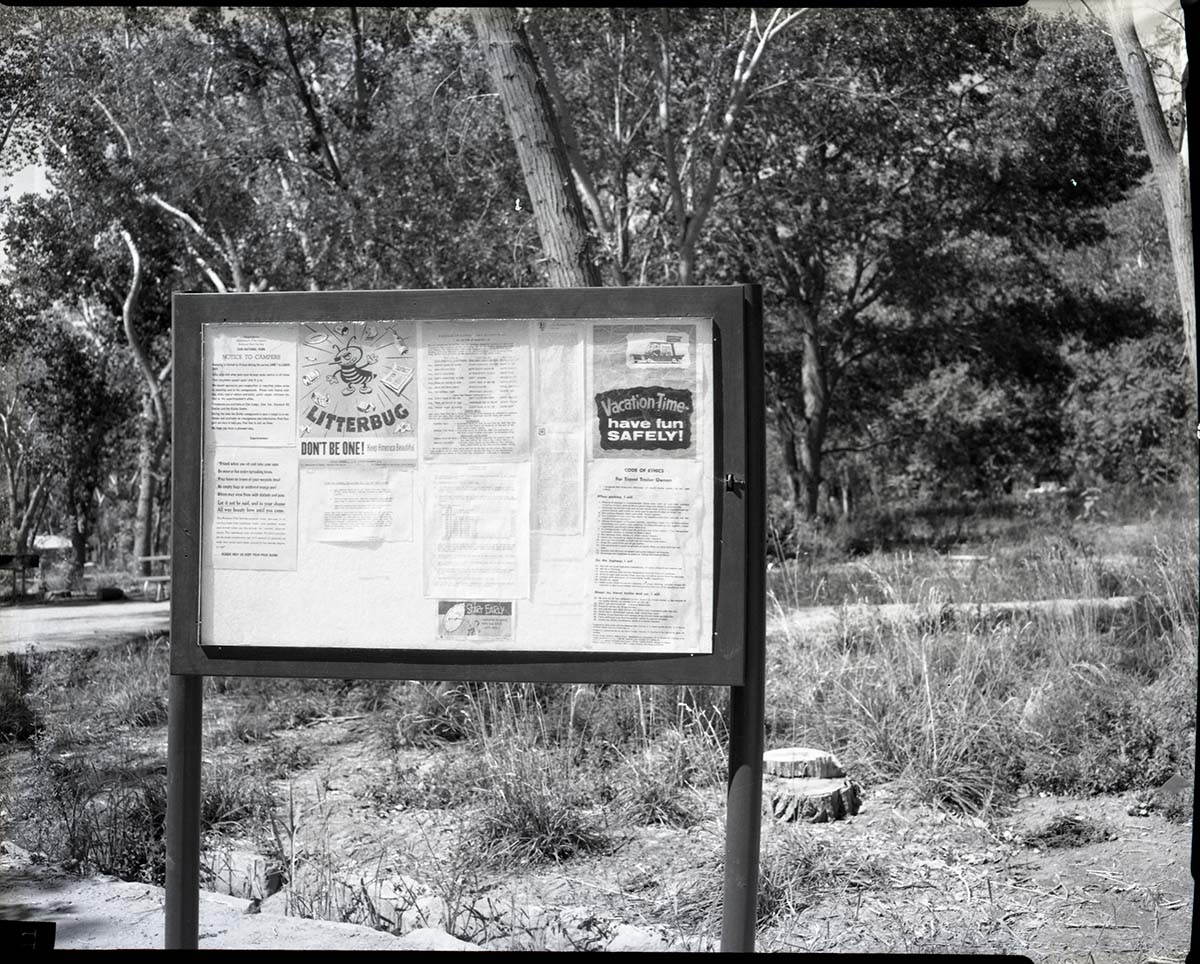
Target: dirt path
[
  {"x": 79, "y": 625},
  {"x": 818, "y": 619}
]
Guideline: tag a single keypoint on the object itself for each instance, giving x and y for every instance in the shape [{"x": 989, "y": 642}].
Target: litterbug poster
[{"x": 467, "y": 484}]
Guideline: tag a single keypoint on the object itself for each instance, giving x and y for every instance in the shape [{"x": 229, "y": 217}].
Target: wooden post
[{"x": 185, "y": 703}]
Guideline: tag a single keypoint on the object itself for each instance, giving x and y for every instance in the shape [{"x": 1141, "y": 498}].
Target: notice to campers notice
[{"x": 481, "y": 484}]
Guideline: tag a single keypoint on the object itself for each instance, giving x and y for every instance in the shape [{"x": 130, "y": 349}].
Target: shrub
[
  {"x": 18, "y": 721},
  {"x": 1087, "y": 732},
  {"x": 1125, "y": 409}
]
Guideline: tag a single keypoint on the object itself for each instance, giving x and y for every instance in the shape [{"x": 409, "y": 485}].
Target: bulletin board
[{"x": 499, "y": 485}]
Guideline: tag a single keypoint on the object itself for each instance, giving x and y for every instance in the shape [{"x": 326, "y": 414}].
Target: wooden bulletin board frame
[{"x": 737, "y": 382}]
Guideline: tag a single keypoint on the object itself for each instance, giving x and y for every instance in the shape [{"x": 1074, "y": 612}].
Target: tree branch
[
  {"x": 128, "y": 311},
  {"x": 310, "y": 108},
  {"x": 360, "y": 80},
  {"x": 579, "y": 166},
  {"x": 664, "y": 122},
  {"x": 116, "y": 127},
  {"x": 742, "y": 74},
  {"x": 1170, "y": 169}
]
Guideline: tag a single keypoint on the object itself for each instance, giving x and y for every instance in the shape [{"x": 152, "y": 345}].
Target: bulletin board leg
[
  {"x": 747, "y": 702},
  {"x": 184, "y": 734},
  {"x": 743, "y": 821}
]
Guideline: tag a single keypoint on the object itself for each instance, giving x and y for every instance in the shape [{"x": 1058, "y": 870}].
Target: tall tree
[
  {"x": 894, "y": 147},
  {"x": 570, "y": 261},
  {"x": 1168, "y": 156},
  {"x": 652, "y": 102}
]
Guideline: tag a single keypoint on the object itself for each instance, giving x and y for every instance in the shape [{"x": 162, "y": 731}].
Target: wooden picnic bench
[
  {"x": 161, "y": 580},
  {"x": 19, "y": 563}
]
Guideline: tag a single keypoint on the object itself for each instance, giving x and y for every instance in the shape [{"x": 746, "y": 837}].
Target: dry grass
[{"x": 962, "y": 715}]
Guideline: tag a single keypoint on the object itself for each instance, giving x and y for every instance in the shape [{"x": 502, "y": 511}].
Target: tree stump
[
  {"x": 802, "y": 783},
  {"x": 802, "y": 761},
  {"x": 812, "y": 799}
]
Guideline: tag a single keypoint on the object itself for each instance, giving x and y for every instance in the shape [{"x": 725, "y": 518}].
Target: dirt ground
[{"x": 953, "y": 883}]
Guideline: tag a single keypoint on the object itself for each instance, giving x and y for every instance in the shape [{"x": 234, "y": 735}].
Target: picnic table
[
  {"x": 19, "y": 563},
  {"x": 160, "y": 580}
]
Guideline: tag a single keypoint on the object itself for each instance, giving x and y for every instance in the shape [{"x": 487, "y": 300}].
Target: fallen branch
[{"x": 1109, "y": 927}]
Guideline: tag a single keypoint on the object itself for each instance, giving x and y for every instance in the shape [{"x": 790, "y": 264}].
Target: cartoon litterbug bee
[{"x": 352, "y": 369}]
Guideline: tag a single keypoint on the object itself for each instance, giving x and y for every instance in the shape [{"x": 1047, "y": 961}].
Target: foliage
[
  {"x": 112, "y": 820},
  {"x": 935, "y": 200},
  {"x": 967, "y": 434},
  {"x": 1125, "y": 411},
  {"x": 902, "y": 198}
]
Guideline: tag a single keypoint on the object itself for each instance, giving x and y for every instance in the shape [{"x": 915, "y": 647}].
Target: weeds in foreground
[
  {"x": 18, "y": 719},
  {"x": 796, "y": 872},
  {"x": 961, "y": 716},
  {"x": 536, "y": 814},
  {"x": 112, "y": 819},
  {"x": 658, "y": 782},
  {"x": 442, "y": 783},
  {"x": 314, "y": 885}
]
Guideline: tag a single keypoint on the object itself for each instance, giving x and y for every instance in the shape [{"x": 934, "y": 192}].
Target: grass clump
[
  {"x": 442, "y": 783},
  {"x": 1080, "y": 700},
  {"x": 933, "y": 712},
  {"x": 536, "y": 814},
  {"x": 1069, "y": 830},
  {"x": 658, "y": 782},
  {"x": 263, "y": 706},
  {"x": 425, "y": 715}
]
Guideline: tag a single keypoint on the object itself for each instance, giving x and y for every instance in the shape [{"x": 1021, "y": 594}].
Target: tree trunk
[
  {"x": 540, "y": 148},
  {"x": 143, "y": 521},
  {"x": 80, "y": 525},
  {"x": 25, "y": 519},
  {"x": 814, "y": 387},
  {"x": 791, "y": 460},
  {"x": 1170, "y": 165}
]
